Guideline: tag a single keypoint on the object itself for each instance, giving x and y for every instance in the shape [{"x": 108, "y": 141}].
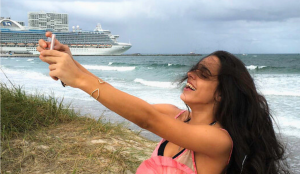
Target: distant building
[{"x": 54, "y": 21}]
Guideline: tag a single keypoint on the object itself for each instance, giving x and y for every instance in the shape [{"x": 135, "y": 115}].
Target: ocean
[{"x": 154, "y": 79}]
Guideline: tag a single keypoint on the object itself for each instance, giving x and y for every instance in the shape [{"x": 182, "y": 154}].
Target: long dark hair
[{"x": 245, "y": 114}]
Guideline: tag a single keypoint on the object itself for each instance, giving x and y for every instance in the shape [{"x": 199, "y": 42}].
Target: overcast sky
[{"x": 181, "y": 26}]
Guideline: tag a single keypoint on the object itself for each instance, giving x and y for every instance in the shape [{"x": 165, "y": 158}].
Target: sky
[{"x": 180, "y": 26}]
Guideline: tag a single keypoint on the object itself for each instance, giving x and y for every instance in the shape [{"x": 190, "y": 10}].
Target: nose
[{"x": 191, "y": 74}]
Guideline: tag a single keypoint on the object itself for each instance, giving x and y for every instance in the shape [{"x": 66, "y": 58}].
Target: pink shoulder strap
[{"x": 179, "y": 114}]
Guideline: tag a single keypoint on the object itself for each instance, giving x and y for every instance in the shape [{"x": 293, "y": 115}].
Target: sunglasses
[{"x": 202, "y": 71}]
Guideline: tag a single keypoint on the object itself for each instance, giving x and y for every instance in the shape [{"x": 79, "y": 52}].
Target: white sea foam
[
  {"x": 36, "y": 75},
  {"x": 278, "y": 84},
  {"x": 288, "y": 121},
  {"x": 169, "y": 64},
  {"x": 289, "y": 131},
  {"x": 9, "y": 71},
  {"x": 288, "y": 126},
  {"x": 110, "y": 68},
  {"x": 156, "y": 83},
  {"x": 280, "y": 93},
  {"x": 30, "y": 60},
  {"x": 253, "y": 67},
  {"x": 25, "y": 74},
  {"x": 110, "y": 63}
]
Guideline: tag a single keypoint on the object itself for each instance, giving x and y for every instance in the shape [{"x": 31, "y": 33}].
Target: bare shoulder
[
  {"x": 227, "y": 136},
  {"x": 167, "y": 109},
  {"x": 224, "y": 141}
]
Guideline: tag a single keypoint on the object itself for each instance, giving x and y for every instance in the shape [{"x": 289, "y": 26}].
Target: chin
[{"x": 184, "y": 98}]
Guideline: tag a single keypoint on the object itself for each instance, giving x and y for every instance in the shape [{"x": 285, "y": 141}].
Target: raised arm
[{"x": 199, "y": 138}]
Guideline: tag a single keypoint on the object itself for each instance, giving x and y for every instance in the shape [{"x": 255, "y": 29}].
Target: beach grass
[{"x": 39, "y": 134}]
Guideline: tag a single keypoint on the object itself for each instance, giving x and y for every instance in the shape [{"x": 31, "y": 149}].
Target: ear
[{"x": 218, "y": 98}]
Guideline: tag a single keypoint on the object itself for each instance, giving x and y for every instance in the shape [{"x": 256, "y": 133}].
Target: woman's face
[{"x": 202, "y": 83}]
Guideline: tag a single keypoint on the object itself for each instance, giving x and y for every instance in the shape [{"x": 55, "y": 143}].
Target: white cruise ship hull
[{"x": 114, "y": 50}]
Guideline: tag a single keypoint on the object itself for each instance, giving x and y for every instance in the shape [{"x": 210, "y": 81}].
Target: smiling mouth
[{"x": 190, "y": 86}]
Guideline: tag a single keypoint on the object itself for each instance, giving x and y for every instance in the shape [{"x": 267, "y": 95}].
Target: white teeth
[{"x": 190, "y": 86}]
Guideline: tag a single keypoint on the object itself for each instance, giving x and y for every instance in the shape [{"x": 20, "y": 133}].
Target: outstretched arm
[{"x": 199, "y": 138}]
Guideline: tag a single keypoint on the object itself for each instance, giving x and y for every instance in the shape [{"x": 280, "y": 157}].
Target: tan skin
[{"x": 212, "y": 145}]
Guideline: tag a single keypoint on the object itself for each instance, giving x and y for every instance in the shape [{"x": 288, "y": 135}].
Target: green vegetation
[
  {"x": 41, "y": 135},
  {"x": 21, "y": 113}
]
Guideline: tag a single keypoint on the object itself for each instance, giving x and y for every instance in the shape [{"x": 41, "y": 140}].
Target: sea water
[{"x": 154, "y": 79}]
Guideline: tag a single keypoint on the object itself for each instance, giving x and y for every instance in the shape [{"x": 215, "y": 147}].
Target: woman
[{"x": 228, "y": 128}]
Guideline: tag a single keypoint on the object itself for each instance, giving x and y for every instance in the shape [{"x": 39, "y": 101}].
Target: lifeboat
[
  {"x": 30, "y": 44},
  {"x": 11, "y": 44},
  {"x": 20, "y": 44}
]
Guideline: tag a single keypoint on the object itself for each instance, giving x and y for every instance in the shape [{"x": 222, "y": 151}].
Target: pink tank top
[{"x": 181, "y": 164}]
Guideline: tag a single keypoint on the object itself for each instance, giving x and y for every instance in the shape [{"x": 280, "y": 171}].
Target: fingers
[
  {"x": 53, "y": 53},
  {"x": 53, "y": 75},
  {"x": 54, "y": 78},
  {"x": 48, "y": 34},
  {"x": 56, "y": 42},
  {"x": 52, "y": 67},
  {"x": 57, "y": 45},
  {"x": 43, "y": 44},
  {"x": 50, "y": 56},
  {"x": 39, "y": 49}
]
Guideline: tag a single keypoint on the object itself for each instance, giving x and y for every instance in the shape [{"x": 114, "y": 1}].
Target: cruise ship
[{"x": 17, "y": 39}]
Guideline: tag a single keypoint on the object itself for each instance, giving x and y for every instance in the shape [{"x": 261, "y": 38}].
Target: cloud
[
  {"x": 171, "y": 26},
  {"x": 199, "y": 10},
  {"x": 255, "y": 10}
]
